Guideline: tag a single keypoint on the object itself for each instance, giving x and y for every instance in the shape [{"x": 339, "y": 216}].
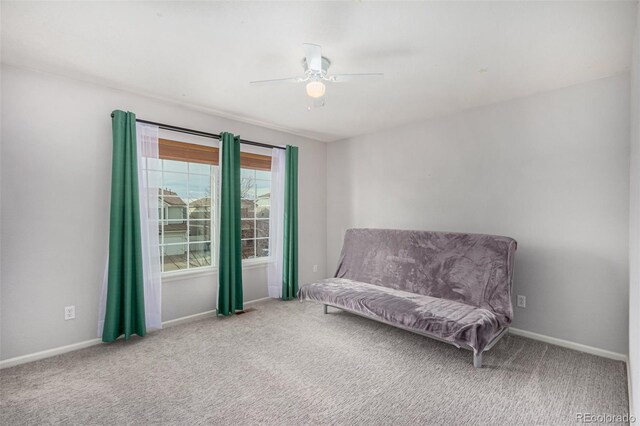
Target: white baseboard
[
  {"x": 47, "y": 353},
  {"x": 23, "y": 359},
  {"x": 569, "y": 344},
  {"x": 253, "y": 302},
  {"x": 203, "y": 315},
  {"x": 188, "y": 318}
]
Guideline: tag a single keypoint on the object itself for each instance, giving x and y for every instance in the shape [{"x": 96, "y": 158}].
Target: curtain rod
[{"x": 203, "y": 134}]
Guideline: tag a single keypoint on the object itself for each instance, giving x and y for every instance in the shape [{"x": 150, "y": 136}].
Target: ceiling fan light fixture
[
  {"x": 316, "y": 75},
  {"x": 316, "y": 89}
]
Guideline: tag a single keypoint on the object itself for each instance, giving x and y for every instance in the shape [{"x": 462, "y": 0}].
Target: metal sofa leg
[
  {"x": 477, "y": 360},
  {"x": 324, "y": 309}
]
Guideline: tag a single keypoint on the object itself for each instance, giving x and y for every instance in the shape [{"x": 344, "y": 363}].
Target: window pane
[
  {"x": 263, "y": 188},
  {"x": 154, "y": 179},
  {"x": 199, "y": 168},
  {"x": 263, "y": 174},
  {"x": 185, "y": 208},
  {"x": 175, "y": 257},
  {"x": 262, "y": 248},
  {"x": 153, "y": 163},
  {"x": 199, "y": 255},
  {"x": 174, "y": 166},
  {"x": 262, "y": 228},
  {"x": 248, "y": 173},
  {"x": 248, "y": 188},
  {"x": 262, "y": 211},
  {"x": 248, "y": 251},
  {"x": 199, "y": 187},
  {"x": 248, "y": 229},
  {"x": 247, "y": 208},
  {"x": 200, "y": 209},
  {"x": 175, "y": 232},
  {"x": 199, "y": 230},
  {"x": 174, "y": 187},
  {"x": 175, "y": 214}
]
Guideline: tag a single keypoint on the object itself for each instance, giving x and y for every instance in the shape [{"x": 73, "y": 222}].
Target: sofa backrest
[{"x": 474, "y": 269}]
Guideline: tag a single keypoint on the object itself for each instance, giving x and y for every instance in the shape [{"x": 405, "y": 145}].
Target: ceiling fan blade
[
  {"x": 313, "y": 54},
  {"x": 277, "y": 81},
  {"x": 341, "y": 78}
]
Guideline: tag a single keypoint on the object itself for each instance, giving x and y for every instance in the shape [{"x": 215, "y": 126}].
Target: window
[
  {"x": 186, "y": 208},
  {"x": 186, "y": 200},
  {"x": 255, "y": 193}
]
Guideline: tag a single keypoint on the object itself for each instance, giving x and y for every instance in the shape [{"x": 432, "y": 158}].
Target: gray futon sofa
[{"x": 449, "y": 286}]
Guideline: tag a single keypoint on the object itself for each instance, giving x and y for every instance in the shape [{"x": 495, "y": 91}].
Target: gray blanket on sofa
[{"x": 452, "y": 286}]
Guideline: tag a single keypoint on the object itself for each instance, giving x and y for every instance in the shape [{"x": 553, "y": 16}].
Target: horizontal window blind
[{"x": 193, "y": 153}]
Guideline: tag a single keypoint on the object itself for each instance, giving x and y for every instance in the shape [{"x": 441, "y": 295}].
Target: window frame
[
  {"x": 255, "y": 219},
  {"x": 164, "y": 220},
  {"x": 176, "y": 150}
]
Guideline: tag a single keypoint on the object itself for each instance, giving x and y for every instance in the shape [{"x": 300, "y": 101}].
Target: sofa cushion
[{"x": 455, "y": 322}]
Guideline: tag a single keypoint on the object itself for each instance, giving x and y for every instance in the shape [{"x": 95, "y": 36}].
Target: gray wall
[
  {"x": 550, "y": 170},
  {"x": 634, "y": 228},
  {"x": 56, "y": 168}
]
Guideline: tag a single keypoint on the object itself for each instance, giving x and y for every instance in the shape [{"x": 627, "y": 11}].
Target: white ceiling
[{"x": 438, "y": 58}]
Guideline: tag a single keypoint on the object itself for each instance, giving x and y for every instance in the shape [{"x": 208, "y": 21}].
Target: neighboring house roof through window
[{"x": 171, "y": 198}]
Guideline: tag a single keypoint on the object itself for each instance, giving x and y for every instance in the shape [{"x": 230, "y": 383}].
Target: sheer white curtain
[
  {"x": 276, "y": 223},
  {"x": 148, "y": 187},
  {"x": 218, "y": 206}
]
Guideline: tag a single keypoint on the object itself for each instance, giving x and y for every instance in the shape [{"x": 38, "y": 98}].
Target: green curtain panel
[
  {"x": 124, "y": 312},
  {"x": 230, "y": 257},
  {"x": 290, "y": 251}
]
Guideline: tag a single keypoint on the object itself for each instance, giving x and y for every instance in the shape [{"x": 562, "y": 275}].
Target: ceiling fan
[{"x": 315, "y": 75}]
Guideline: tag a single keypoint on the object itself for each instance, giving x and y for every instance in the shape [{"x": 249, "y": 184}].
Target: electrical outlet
[
  {"x": 522, "y": 301},
  {"x": 315, "y": 268},
  {"x": 69, "y": 313}
]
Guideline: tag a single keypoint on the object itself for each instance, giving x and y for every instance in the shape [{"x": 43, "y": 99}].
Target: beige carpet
[{"x": 287, "y": 364}]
